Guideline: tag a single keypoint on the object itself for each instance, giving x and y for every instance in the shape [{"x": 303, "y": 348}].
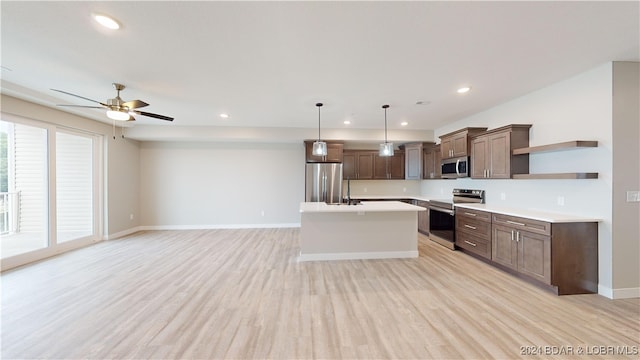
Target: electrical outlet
[
  {"x": 561, "y": 200},
  {"x": 262, "y": 213},
  {"x": 130, "y": 216},
  {"x": 503, "y": 196},
  {"x": 404, "y": 189},
  {"x": 633, "y": 196},
  {"x": 365, "y": 189}
]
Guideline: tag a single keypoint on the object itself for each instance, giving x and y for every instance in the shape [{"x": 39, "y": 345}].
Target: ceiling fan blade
[
  {"x": 82, "y": 106},
  {"x": 135, "y": 104},
  {"x": 78, "y": 96},
  {"x": 161, "y": 117}
]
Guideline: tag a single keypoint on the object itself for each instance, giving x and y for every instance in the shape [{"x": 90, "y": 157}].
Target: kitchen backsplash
[{"x": 383, "y": 187}]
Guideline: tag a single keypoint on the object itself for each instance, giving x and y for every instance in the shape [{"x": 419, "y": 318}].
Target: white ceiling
[{"x": 268, "y": 63}]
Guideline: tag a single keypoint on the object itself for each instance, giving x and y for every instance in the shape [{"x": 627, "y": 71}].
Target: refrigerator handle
[{"x": 324, "y": 186}]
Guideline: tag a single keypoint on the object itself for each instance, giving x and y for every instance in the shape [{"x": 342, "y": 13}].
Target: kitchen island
[{"x": 369, "y": 230}]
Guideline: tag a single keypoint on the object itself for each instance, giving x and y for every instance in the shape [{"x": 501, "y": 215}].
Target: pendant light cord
[
  {"x": 319, "y": 105},
  {"x": 385, "y": 125},
  {"x": 385, "y": 122}
]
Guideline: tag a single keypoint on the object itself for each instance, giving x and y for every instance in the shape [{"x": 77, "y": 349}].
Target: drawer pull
[
  {"x": 515, "y": 223},
  {"x": 470, "y": 214},
  {"x": 470, "y": 243},
  {"x": 470, "y": 227}
]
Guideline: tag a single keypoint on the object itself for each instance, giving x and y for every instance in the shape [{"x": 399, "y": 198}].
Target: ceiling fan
[{"x": 118, "y": 109}]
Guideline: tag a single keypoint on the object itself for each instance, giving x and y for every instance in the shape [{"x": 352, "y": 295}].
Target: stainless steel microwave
[{"x": 455, "y": 168}]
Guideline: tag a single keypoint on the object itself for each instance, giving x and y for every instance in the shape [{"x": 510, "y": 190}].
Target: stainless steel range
[{"x": 442, "y": 222}]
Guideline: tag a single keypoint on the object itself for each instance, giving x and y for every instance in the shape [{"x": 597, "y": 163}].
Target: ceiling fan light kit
[
  {"x": 118, "y": 109},
  {"x": 386, "y": 148},
  {"x": 118, "y": 115},
  {"x": 319, "y": 147}
]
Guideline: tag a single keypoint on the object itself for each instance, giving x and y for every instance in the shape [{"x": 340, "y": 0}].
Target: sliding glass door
[
  {"x": 74, "y": 186},
  {"x": 24, "y": 198},
  {"x": 49, "y": 184}
]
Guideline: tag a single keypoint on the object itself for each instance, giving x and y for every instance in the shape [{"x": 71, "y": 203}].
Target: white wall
[
  {"x": 212, "y": 184},
  {"x": 123, "y": 186},
  {"x": 626, "y": 169},
  {"x": 579, "y": 108}
]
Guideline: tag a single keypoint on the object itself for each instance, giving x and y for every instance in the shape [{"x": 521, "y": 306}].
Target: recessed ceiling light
[
  {"x": 224, "y": 116},
  {"x": 347, "y": 122},
  {"x": 464, "y": 89},
  {"x": 404, "y": 123},
  {"x": 106, "y": 21},
  {"x": 423, "y": 102}
]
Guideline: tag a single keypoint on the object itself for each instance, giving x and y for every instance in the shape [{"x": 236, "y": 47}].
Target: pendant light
[
  {"x": 319, "y": 147},
  {"x": 386, "y": 149}
]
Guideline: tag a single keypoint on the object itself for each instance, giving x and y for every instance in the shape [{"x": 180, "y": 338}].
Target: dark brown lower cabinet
[
  {"x": 561, "y": 256},
  {"x": 423, "y": 217},
  {"x": 525, "y": 252},
  {"x": 473, "y": 232}
]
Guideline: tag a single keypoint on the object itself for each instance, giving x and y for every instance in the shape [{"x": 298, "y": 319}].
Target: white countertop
[
  {"x": 367, "y": 206},
  {"x": 531, "y": 214},
  {"x": 391, "y": 197}
]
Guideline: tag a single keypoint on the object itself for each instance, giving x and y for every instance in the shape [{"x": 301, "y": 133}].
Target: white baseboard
[
  {"x": 358, "y": 256},
  {"x": 605, "y": 291},
  {"x": 622, "y": 293},
  {"x": 218, "y": 226},
  {"x": 123, "y": 233},
  {"x": 626, "y": 293},
  {"x": 198, "y": 227}
]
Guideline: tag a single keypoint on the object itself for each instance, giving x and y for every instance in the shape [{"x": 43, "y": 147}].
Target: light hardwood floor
[{"x": 240, "y": 294}]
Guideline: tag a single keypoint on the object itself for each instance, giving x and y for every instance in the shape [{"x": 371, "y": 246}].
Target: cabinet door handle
[
  {"x": 470, "y": 243},
  {"x": 515, "y": 223},
  {"x": 470, "y": 227},
  {"x": 512, "y": 235},
  {"x": 517, "y": 236},
  {"x": 470, "y": 214}
]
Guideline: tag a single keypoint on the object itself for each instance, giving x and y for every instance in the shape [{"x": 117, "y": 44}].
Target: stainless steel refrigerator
[{"x": 324, "y": 183}]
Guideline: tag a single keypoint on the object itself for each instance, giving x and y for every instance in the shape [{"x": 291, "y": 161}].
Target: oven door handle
[{"x": 448, "y": 211}]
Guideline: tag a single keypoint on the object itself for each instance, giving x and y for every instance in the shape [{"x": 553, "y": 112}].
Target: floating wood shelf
[
  {"x": 557, "y": 176},
  {"x": 555, "y": 147}
]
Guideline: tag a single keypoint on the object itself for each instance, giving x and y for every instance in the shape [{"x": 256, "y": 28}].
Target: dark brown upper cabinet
[
  {"x": 414, "y": 160},
  {"x": 491, "y": 152},
  {"x": 334, "y": 152},
  {"x": 389, "y": 167},
  {"x": 357, "y": 164},
  {"x": 456, "y": 144},
  {"x": 432, "y": 157}
]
